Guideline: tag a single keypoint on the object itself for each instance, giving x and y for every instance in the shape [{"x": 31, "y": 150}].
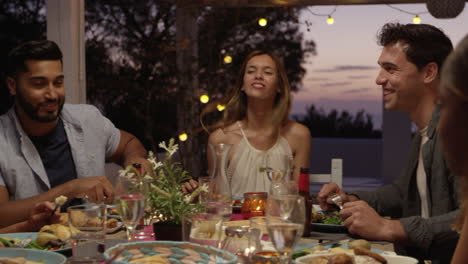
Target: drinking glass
[
  {"x": 278, "y": 167},
  {"x": 143, "y": 230},
  {"x": 203, "y": 181},
  {"x": 203, "y": 228},
  {"x": 130, "y": 202},
  {"x": 88, "y": 231},
  {"x": 285, "y": 218}
]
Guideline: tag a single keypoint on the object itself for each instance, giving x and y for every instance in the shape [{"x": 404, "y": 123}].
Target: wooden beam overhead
[{"x": 277, "y": 3}]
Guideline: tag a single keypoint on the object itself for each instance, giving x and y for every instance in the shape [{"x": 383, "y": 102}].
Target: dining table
[{"x": 314, "y": 238}]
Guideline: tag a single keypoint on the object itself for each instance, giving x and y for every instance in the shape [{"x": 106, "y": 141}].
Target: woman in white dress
[{"x": 256, "y": 122}]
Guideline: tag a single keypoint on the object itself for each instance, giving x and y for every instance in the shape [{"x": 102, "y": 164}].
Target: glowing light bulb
[
  {"x": 183, "y": 137},
  {"x": 204, "y": 98},
  {"x": 262, "y": 22},
  {"x": 416, "y": 20},
  {"x": 227, "y": 59},
  {"x": 220, "y": 107},
  {"x": 330, "y": 20}
]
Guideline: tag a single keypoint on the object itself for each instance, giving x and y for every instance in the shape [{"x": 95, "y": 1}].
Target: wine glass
[
  {"x": 278, "y": 168},
  {"x": 285, "y": 218},
  {"x": 130, "y": 202}
]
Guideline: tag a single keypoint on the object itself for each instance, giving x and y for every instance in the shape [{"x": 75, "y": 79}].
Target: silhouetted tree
[
  {"x": 19, "y": 21},
  {"x": 334, "y": 124},
  {"x": 138, "y": 78}
]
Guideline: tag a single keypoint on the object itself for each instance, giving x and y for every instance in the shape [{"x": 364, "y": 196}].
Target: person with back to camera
[
  {"x": 256, "y": 122},
  {"x": 453, "y": 133},
  {"x": 422, "y": 202},
  {"x": 50, "y": 148}
]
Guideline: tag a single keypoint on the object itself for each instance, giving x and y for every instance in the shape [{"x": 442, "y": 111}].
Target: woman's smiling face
[{"x": 261, "y": 78}]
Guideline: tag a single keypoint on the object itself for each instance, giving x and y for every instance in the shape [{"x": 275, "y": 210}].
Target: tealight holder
[{"x": 254, "y": 204}]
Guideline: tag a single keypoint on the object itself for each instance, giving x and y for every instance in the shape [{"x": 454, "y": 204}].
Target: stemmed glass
[
  {"x": 285, "y": 218},
  {"x": 130, "y": 202},
  {"x": 278, "y": 168}
]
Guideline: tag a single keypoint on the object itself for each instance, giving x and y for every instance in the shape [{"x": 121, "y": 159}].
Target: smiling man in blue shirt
[{"x": 49, "y": 148}]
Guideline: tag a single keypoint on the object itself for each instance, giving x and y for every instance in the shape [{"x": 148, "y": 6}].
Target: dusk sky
[{"x": 342, "y": 74}]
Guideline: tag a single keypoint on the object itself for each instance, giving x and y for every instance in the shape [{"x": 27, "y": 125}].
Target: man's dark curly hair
[
  {"x": 31, "y": 50},
  {"x": 426, "y": 43}
]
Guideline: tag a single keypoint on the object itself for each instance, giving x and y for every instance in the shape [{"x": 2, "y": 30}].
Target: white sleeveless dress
[{"x": 244, "y": 168}]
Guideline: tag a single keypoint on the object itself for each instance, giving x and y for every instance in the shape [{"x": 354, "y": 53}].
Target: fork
[{"x": 336, "y": 199}]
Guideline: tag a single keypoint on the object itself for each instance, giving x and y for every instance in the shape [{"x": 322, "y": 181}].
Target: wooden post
[
  {"x": 65, "y": 26},
  {"x": 187, "y": 103}
]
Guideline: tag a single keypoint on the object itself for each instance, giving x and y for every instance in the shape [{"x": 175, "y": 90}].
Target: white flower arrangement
[{"x": 165, "y": 198}]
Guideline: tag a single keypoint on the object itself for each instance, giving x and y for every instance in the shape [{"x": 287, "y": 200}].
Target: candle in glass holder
[{"x": 254, "y": 204}]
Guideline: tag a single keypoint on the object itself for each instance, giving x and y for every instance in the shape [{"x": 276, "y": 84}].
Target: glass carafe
[{"x": 219, "y": 197}]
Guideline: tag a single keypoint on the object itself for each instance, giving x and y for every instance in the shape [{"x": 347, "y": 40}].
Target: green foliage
[
  {"x": 166, "y": 199},
  {"x": 334, "y": 124}
]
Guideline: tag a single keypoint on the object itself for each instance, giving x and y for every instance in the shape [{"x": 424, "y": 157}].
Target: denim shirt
[
  {"x": 431, "y": 238},
  {"x": 92, "y": 137}
]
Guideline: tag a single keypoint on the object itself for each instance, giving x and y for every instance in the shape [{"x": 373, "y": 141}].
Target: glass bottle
[
  {"x": 304, "y": 190},
  {"x": 219, "y": 197}
]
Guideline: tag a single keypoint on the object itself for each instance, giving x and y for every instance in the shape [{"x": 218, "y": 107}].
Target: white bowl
[{"x": 392, "y": 259}]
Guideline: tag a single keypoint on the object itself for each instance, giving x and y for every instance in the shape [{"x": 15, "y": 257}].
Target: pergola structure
[{"x": 65, "y": 25}]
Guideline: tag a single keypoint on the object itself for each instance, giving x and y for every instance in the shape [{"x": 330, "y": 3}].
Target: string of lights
[
  {"x": 330, "y": 19},
  {"x": 416, "y": 18},
  {"x": 263, "y": 22}
]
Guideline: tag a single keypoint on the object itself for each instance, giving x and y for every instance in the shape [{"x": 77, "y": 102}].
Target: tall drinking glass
[
  {"x": 278, "y": 167},
  {"x": 88, "y": 228},
  {"x": 285, "y": 217},
  {"x": 130, "y": 202}
]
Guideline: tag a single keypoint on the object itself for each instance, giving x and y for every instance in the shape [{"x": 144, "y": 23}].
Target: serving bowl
[{"x": 174, "y": 252}]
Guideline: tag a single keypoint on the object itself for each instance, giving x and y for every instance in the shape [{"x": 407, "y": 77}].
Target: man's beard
[{"x": 33, "y": 111}]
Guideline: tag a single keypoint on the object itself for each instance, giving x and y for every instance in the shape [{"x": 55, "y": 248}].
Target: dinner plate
[
  {"x": 33, "y": 235},
  {"x": 326, "y": 228},
  {"x": 42, "y": 256},
  {"x": 391, "y": 259}
]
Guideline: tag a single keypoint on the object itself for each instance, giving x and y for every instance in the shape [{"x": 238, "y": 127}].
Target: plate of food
[
  {"x": 355, "y": 251},
  {"x": 328, "y": 222},
  {"x": 30, "y": 256},
  {"x": 55, "y": 237},
  {"x": 47, "y": 241},
  {"x": 356, "y": 256}
]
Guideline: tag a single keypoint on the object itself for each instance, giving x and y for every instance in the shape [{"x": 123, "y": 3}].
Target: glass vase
[{"x": 219, "y": 197}]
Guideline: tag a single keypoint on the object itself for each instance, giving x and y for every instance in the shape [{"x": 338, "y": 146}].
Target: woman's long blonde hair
[{"x": 236, "y": 101}]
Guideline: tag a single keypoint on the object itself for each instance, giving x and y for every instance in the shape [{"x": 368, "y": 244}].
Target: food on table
[
  {"x": 359, "y": 243},
  {"x": 54, "y": 235},
  {"x": 83, "y": 221},
  {"x": 319, "y": 249},
  {"x": 328, "y": 218},
  {"x": 366, "y": 252},
  {"x": 266, "y": 257},
  {"x": 341, "y": 259},
  {"x": 18, "y": 260},
  {"x": 60, "y": 200},
  {"x": 113, "y": 211}
]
